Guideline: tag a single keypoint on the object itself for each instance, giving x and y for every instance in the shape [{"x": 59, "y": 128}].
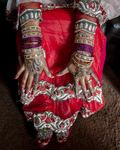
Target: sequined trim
[
  {"x": 52, "y": 6},
  {"x": 92, "y": 8},
  {"x": 49, "y": 120},
  {"x": 30, "y": 15},
  {"x": 61, "y": 93},
  {"x": 85, "y": 25}
]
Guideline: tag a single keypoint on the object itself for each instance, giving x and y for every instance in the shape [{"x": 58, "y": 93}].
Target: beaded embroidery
[{"x": 30, "y": 15}]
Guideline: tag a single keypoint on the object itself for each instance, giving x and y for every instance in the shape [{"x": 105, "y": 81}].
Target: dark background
[{"x": 100, "y": 131}]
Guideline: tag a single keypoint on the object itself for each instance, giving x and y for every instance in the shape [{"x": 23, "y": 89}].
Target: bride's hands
[
  {"x": 81, "y": 75},
  {"x": 32, "y": 69}
]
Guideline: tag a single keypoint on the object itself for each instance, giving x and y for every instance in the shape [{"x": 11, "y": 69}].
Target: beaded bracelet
[
  {"x": 84, "y": 53},
  {"x": 33, "y": 34},
  {"x": 30, "y": 28},
  {"x": 85, "y": 34},
  {"x": 81, "y": 65},
  {"x": 79, "y": 56},
  {"x": 32, "y": 50},
  {"x": 33, "y": 55},
  {"x": 81, "y": 60}
]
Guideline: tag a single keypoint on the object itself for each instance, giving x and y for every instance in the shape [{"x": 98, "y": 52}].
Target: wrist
[{"x": 31, "y": 42}]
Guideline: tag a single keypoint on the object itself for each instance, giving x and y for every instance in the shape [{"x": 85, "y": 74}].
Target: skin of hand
[
  {"x": 81, "y": 75},
  {"x": 32, "y": 68}
]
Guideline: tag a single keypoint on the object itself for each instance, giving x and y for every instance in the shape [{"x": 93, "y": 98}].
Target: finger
[
  {"x": 88, "y": 81},
  {"x": 83, "y": 86},
  {"x": 63, "y": 72},
  {"x": 24, "y": 79},
  {"x": 47, "y": 72},
  {"x": 36, "y": 80},
  {"x": 76, "y": 86},
  {"x": 29, "y": 83},
  {"x": 95, "y": 78},
  {"x": 19, "y": 72}
]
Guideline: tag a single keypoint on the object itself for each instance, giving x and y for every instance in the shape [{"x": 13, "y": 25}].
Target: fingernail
[{"x": 15, "y": 78}]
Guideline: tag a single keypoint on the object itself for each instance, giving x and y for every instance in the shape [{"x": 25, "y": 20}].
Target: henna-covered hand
[
  {"x": 32, "y": 70},
  {"x": 81, "y": 75}
]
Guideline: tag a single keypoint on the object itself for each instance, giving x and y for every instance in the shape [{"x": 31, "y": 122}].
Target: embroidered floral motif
[
  {"x": 60, "y": 93},
  {"x": 92, "y": 5},
  {"x": 49, "y": 120},
  {"x": 85, "y": 112}
]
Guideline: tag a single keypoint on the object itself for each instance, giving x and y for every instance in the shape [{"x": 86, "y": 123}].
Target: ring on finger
[{"x": 89, "y": 81}]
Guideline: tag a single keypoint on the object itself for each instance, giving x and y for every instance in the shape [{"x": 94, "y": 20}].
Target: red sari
[{"x": 54, "y": 105}]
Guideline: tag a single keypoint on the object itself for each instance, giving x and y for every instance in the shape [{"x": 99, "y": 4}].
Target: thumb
[
  {"x": 47, "y": 72},
  {"x": 63, "y": 72}
]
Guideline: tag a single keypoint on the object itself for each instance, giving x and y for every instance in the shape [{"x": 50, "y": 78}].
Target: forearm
[
  {"x": 85, "y": 28},
  {"x": 31, "y": 32}
]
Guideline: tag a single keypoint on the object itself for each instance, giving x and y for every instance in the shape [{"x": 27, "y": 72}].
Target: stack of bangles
[
  {"x": 84, "y": 43},
  {"x": 31, "y": 42},
  {"x": 81, "y": 60}
]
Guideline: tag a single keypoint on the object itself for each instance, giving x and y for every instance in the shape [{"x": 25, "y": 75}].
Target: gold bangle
[
  {"x": 32, "y": 50},
  {"x": 33, "y": 55},
  {"x": 34, "y": 34},
  {"x": 84, "y": 35},
  {"x": 31, "y": 28},
  {"x": 79, "y": 56},
  {"x": 80, "y": 65},
  {"x": 85, "y": 53},
  {"x": 82, "y": 60},
  {"x": 84, "y": 42}
]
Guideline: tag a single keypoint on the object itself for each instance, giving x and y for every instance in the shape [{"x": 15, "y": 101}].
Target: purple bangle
[
  {"x": 31, "y": 39},
  {"x": 83, "y": 47},
  {"x": 31, "y": 46}
]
